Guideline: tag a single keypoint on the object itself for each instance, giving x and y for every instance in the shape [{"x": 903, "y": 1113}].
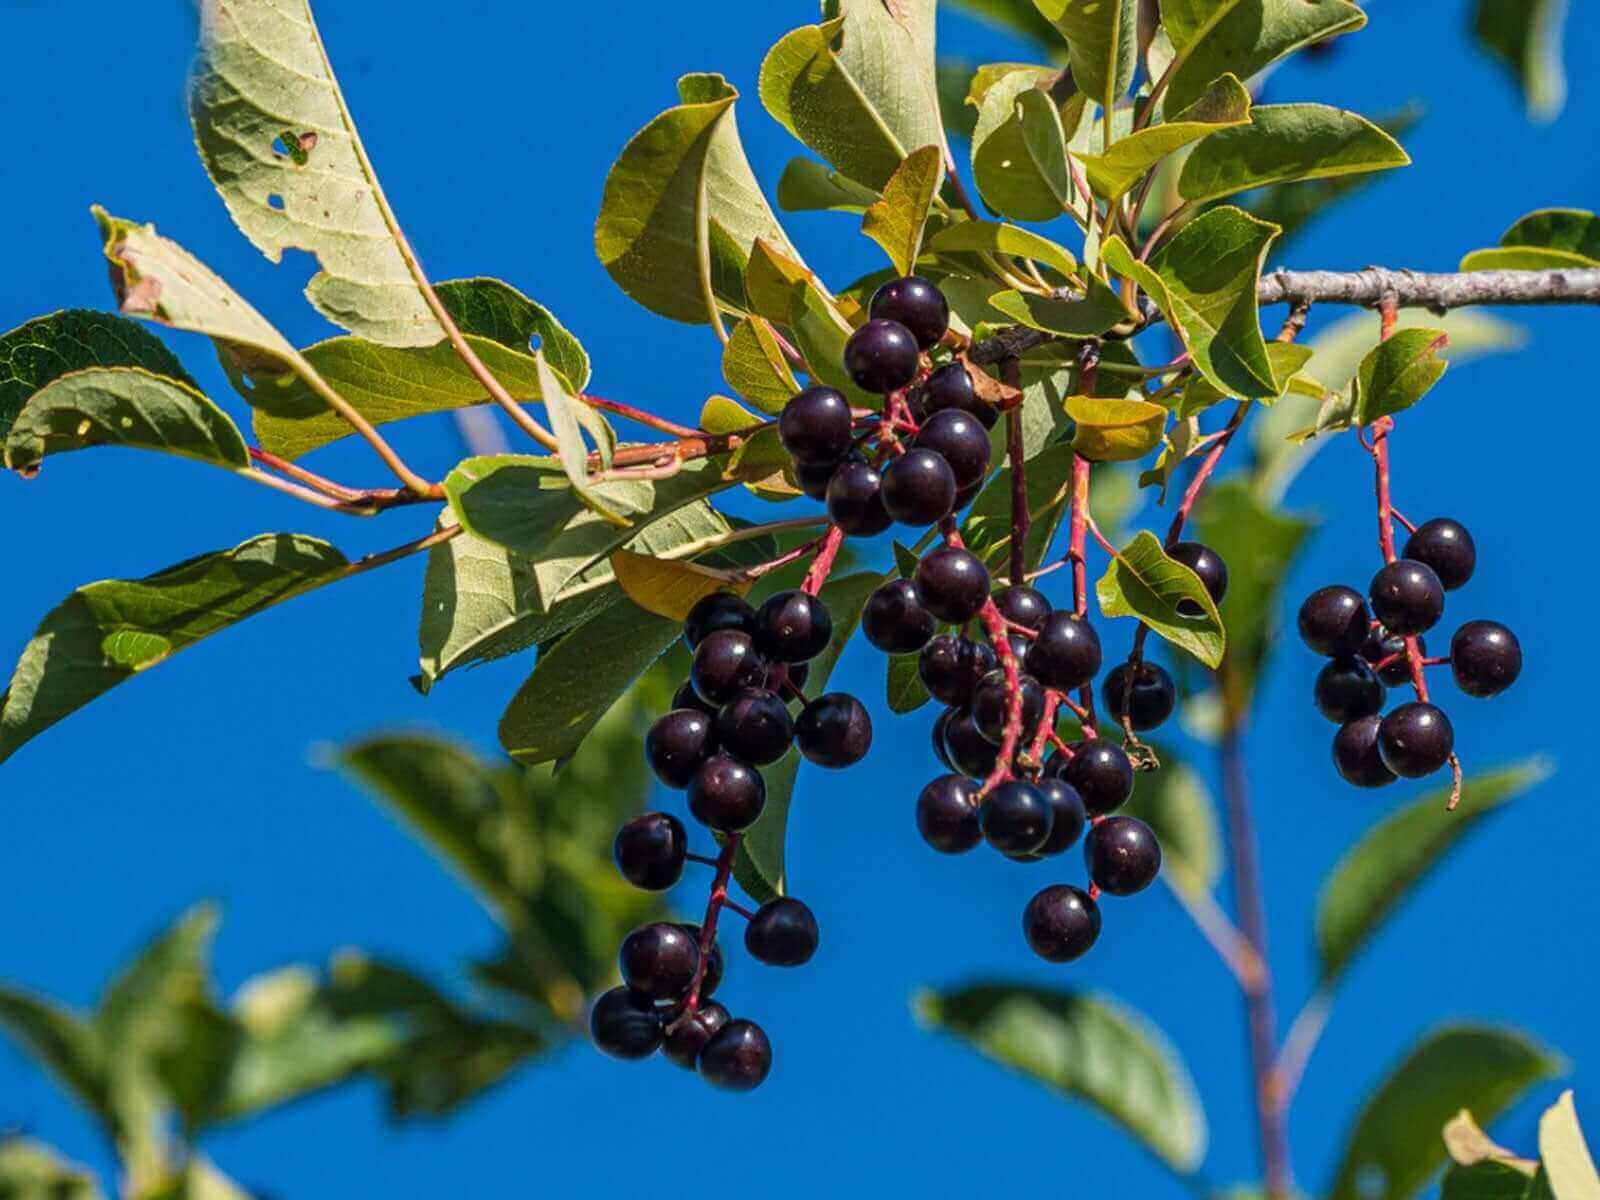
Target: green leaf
[
  {"x": 123, "y": 406},
  {"x": 1378, "y": 872},
  {"x": 1399, "y": 372},
  {"x": 1115, "y": 430},
  {"x": 1204, "y": 281},
  {"x": 808, "y": 186},
  {"x": 1213, "y": 37},
  {"x": 282, "y": 149},
  {"x": 1564, "y": 1154},
  {"x": 31, "y": 1170},
  {"x": 820, "y": 334},
  {"x": 987, "y": 528},
  {"x": 1019, "y": 151},
  {"x": 34, "y": 355},
  {"x": 1225, "y": 103},
  {"x": 905, "y": 689},
  {"x": 1491, "y": 1181},
  {"x": 754, "y": 366},
  {"x": 682, "y": 209},
  {"x": 1102, "y": 44},
  {"x": 1549, "y": 238},
  {"x": 1526, "y": 35},
  {"x": 1143, "y": 582},
  {"x": 1100, "y": 310},
  {"x": 896, "y": 222},
  {"x": 570, "y": 419},
  {"x": 61, "y": 1042},
  {"x": 1020, "y": 16},
  {"x": 992, "y": 237},
  {"x": 1175, "y": 802},
  {"x": 108, "y": 632},
  {"x": 493, "y": 309},
  {"x": 762, "y": 864},
  {"x": 1288, "y": 360},
  {"x": 1477, "y": 1067},
  {"x": 1286, "y": 143},
  {"x": 1084, "y": 1047}
]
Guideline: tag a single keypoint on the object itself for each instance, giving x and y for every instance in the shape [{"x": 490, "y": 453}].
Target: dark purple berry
[
  {"x": 1346, "y": 689},
  {"x": 950, "y": 387},
  {"x": 624, "y": 1024},
  {"x": 1206, "y": 563},
  {"x": 1102, "y": 774},
  {"x": 1069, "y": 817},
  {"x": 1382, "y": 645},
  {"x": 1485, "y": 657},
  {"x": 1147, "y": 701},
  {"x": 650, "y": 850},
  {"x": 727, "y": 795},
  {"x": 834, "y": 730},
  {"x": 793, "y": 626},
  {"x": 947, "y": 814},
  {"x": 915, "y": 303},
  {"x": 952, "y": 584},
  {"x": 961, "y": 440},
  {"x": 793, "y": 673},
  {"x": 881, "y": 357},
  {"x": 1415, "y": 740},
  {"x": 783, "y": 933},
  {"x": 991, "y": 705},
  {"x": 950, "y": 667},
  {"x": 919, "y": 488},
  {"x": 712, "y": 979},
  {"x": 1122, "y": 855},
  {"x": 967, "y": 495},
  {"x": 1066, "y": 653},
  {"x": 755, "y": 727},
  {"x": 737, "y": 1058},
  {"x": 1016, "y": 818},
  {"x": 687, "y": 697},
  {"x": 659, "y": 960},
  {"x": 1407, "y": 597},
  {"x": 894, "y": 620},
  {"x": 1446, "y": 546},
  {"x": 1355, "y": 753},
  {"x": 855, "y": 501},
  {"x": 814, "y": 478},
  {"x": 1061, "y": 923},
  {"x": 816, "y": 426},
  {"x": 677, "y": 743},
  {"x": 1023, "y": 605},
  {"x": 1334, "y": 621},
  {"x": 726, "y": 663},
  {"x": 720, "y": 610},
  {"x": 968, "y": 751},
  {"x": 937, "y": 732},
  {"x": 690, "y": 1033}
]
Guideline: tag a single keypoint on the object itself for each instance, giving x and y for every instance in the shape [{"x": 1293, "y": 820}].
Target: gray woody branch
[{"x": 1409, "y": 289}]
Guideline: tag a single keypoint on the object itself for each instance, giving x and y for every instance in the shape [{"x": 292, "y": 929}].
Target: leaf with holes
[
  {"x": 1019, "y": 151},
  {"x": 1143, "y": 582},
  {"x": 1223, "y": 105},
  {"x": 896, "y": 222}
]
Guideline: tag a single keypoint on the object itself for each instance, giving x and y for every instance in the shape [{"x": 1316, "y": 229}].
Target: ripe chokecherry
[
  {"x": 783, "y": 933},
  {"x": 1415, "y": 740},
  {"x": 1334, "y": 621},
  {"x": 1147, "y": 701},
  {"x": 659, "y": 960},
  {"x": 816, "y": 426},
  {"x": 687, "y": 697},
  {"x": 1206, "y": 563},
  {"x": 952, "y": 584},
  {"x": 950, "y": 387},
  {"x": 881, "y": 357},
  {"x": 726, "y": 663},
  {"x": 961, "y": 440},
  {"x": 915, "y": 303},
  {"x": 1407, "y": 597},
  {"x": 991, "y": 704},
  {"x": 713, "y": 972},
  {"x": 950, "y": 667},
  {"x": 754, "y": 727},
  {"x": 1067, "y": 817},
  {"x": 1485, "y": 658},
  {"x": 1102, "y": 775},
  {"x": 1383, "y": 646},
  {"x": 727, "y": 795},
  {"x": 1061, "y": 923},
  {"x": 690, "y": 1033},
  {"x": 793, "y": 626},
  {"x": 737, "y": 1058},
  {"x": 1016, "y": 818},
  {"x": 1355, "y": 753},
  {"x": 894, "y": 620},
  {"x": 1122, "y": 855},
  {"x": 1065, "y": 654},
  {"x": 1446, "y": 546},
  {"x": 947, "y": 814},
  {"x": 1346, "y": 689},
  {"x": 834, "y": 730},
  {"x": 855, "y": 500},
  {"x": 650, "y": 850},
  {"x": 719, "y": 610},
  {"x": 624, "y": 1024},
  {"x": 967, "y": 749},
  {"x": 677, "y": 743},
  {"x": 1023, "y": 605},
  {"x": 918, "y": 488}
]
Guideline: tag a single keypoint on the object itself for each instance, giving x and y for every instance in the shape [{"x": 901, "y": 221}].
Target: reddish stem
[
  {"x": 1078, "y": 528},
  {"x": 827, "y": 551},
  {"x": 640, "y": 417},
  {"x": 708, "y": 927},
  {"x": 1047, "y": 725},
  {"x": 1381, "y": 428},
  {"x": 366, "y": 498}
]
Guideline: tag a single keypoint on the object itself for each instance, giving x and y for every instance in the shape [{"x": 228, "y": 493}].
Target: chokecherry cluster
[
  {"x": 729, "y": 719},
  {"x": 1374, "y": 642}
]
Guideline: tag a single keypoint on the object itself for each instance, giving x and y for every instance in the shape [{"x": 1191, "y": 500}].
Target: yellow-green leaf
[
  {"x": 667, "y": 587},
  {"x": 1100, "y": 310},
  {"x": 1224, "y": 104},
  {"x": 994, "y": 237},
  {"x": 1115, "y": 430},
  {"x": 754, "y": 366},
  {"x": 896, "y": 222}
]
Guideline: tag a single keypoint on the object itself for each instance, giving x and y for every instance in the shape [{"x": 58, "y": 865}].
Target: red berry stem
[
  {"x": 1077, "y": 530},
  {"x": 822, "y": 564},
  {"x": 714, "y": 906},
  {"x": 1047, "y": 725}
]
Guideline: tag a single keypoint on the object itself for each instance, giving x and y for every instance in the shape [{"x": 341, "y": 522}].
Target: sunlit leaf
[
  {"x": 1143, "y": 582},
  {"x": 1224, "y": 104},
  {"x": 1285, "y": 143},
  {"x": 1115, "y": 430},
  {"x": 896, "y": 222}
]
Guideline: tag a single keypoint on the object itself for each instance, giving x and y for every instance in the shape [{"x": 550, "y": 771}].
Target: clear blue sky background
[{"x": 493, "y": 124}]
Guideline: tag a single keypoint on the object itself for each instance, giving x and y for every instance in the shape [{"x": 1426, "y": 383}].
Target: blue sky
[{"x": 493, "y": 130}]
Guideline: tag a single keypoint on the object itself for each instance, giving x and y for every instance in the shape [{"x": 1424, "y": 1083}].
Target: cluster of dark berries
[
  {"x": 731, "y": 718},
  {"x": 1375, "y": 643}
]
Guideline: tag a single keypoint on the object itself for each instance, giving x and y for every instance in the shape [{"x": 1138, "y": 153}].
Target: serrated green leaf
[
  {"x": 1102, "y": 44},
  {"x": 1526, "y": 35},
  {"x": 994, "y": 237},
  {"x": 1224, "y": 104},
  {"x": 1115, "y": 430},
  {"x": 105, "y": 633},
  {"x": 1376, "y": 874},
  {"x": 754, "y": 366},
  {"x": 1548, "y": 238},
  {"x": 1284, "y": 143},
  {"x": 1143, "y": 582},
  {"x": 896, "y": 222},
  {"x": 1084, "y": 1047},
  {"x": 1398, "y": 372},
  {"x": 1100, "y": 310},
  {"x": 1019, "y": 151}
]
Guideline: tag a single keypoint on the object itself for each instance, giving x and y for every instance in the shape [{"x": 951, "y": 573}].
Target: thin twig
[{"x": 1237, "y": 954}]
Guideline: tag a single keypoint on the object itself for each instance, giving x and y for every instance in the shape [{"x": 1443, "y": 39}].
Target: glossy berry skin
[
  {"x": 1347, "y": 689},
  {"x": 991, "y": 704},
  {"x": 881, "y": 357},
  {"x": 687, "y": 697},
  {"x": 783, "y": 933},
  {"x": 650, "y": 850},
  {"x": 1061, "y": 923},
  {"x": 1122, "y": 855},
  {"x": 855, "y": 500},
  {"x": 726, "y": 663},
  {"x": 961, "y": 440},
  {"x": 918, "y": 488},
  {"x": 1068, "y": 817},
  {"x": 816, "y": 426},
  {"x": 793, "y": 627},
  {"x": 1102, "y": 774},
  {"x": 1150, "y": 700},
  {"x": 1485, "y": 657},
  {"x": 738, "y": 1057},
  {"x": 967, "y": 750},
  {"x": 624, "y": 1024},
  {"x": 712, "y": 978},
  {"x": 936, "y": 735},
  {"x": 894, "y": 620},
  {"x": 834, "y": 730},
  {"x": 754, "y": 727},
  {"x": 691, "y": 1032},
  {"x": 950, "y": 387},
  {"x": 952, "y": 584},
  {"x": 1023, "y": 605},
  {"x": 1415, "y": 740},
  {"x": 720, "y": 610},
  {"x": 1446, "y": 546},
  {"x": 677, "y": 743},
  {"x": 727, "y": 795},
  {"x": 915, "y": 303},
  {"x": 947, "y": 814},
  {"x": 950, "y": 667},
  {"x": 1355, "y": 753},
  {"x": 1407, "y": 597},
  {"x": 1334, "y": 621},
  {"x": 1206, "y": 563},
  {"x": 1016, "y": 818},
  {"x": 1066, "y": 653},
  {"x": 967, "y": 495},
  {"x": 795, "y": 673},
  {"x": 659, "y": 960},
  {"x": 1382, "y": 645}
]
